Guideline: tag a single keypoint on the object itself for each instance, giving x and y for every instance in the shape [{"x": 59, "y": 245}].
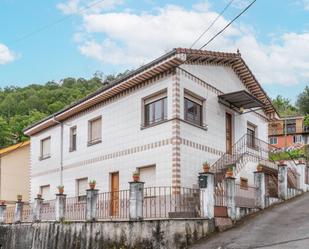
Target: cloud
[
  {"x": 87, "y": 7},
  {"x": 6, "y": 56},
  {"x": 129, "y": 39}
]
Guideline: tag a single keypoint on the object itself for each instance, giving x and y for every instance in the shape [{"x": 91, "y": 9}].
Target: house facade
[
  {"x": 164, "y": 119},
  {"x": 15, "y": 172},
  {"x": 289, "y": 132}
]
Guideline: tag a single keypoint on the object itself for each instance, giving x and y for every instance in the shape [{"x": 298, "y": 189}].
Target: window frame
[
  {"x": 151, "y": 100},
  {"x": 270, "y": 140},
  {"x": 244, "y": 183},
  {"x": 46, "y": 156},
  {"x": 44, "y": 186},
  {"x": 296, "y": 141},
  {"x": 81, "y": 197},
  {"x": 90, "y": 140},
  {"x": 72, "y": 148},
  {"x": 191, "y": 97}
]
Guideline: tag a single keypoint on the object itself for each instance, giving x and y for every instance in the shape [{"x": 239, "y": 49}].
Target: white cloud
[
  {"x": 130, "y": 39},
  {"x": 87, "y": 7},
  {"x": 6, "y": 56}
]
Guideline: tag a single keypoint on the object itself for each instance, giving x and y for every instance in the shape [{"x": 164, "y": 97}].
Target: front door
[
  {"x": 228, "y": 132},
  {"x": 114, "y": 193}
]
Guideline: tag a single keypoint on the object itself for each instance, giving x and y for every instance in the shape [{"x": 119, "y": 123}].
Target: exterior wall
[
  {"x": 125, "y": 145},
  {"x": 15, "y": 174},
  {"x": 200, "y": 145}
]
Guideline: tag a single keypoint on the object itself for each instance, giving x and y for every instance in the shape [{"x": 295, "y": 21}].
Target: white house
[{"x": 164, "y": 119}]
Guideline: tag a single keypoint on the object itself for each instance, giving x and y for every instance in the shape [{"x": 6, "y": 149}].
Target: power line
[
  {"x": 222, "y": 30},
  {"x": 212, "y": 23},
  {"x": 46, "y": 26}
]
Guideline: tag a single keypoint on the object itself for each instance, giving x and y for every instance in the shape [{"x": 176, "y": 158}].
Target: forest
[{"x": 22, "y": 106}]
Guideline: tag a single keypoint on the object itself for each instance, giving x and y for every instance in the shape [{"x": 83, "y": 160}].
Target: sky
[{"x": 42, "y": 41}]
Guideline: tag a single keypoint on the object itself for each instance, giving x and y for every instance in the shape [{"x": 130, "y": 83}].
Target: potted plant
[
  {"x": 19, "y": 198},
  {"x": 39, "y": 196},
  {"x": 92, "y": 184},
  {"x": 229, "y": 172},
  {"x": 301, "y": 161},
  {"x": 136, "y": 176},
  {"x": 60, "y": 189},
  {"x": 206, "y": 167},
  {"x": 259, "y": 168}
]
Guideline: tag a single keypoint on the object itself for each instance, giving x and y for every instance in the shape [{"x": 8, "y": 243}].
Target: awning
[{"x": 240, "y": 99}]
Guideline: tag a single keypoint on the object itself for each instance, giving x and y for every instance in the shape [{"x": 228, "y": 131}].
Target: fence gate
[
  {"x": 220, "y": 196},
  {"x": 271, "y": 185}
]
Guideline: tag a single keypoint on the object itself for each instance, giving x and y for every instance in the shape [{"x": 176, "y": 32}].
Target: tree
[
  {"x": 303, "y": 101},
  {"x": 284, "y": 106}
]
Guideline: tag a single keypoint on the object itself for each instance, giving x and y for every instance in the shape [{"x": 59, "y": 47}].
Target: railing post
[
  {"x": 259, "y": 182},
  {"x": 91, "y": 204},
  {"x": 60, "y": 207},
  {"x": 301, "y": 170},
  {"x": 282, "y": 181},
  {"x": 2, "y": 213},
  {"x": 206, "y": 184},
  {"x": 37, "y": 209},
  {"x": 136, "y": 199},
  {"x": 230, "y": 186},
  {"x": 18, "y": 215}
]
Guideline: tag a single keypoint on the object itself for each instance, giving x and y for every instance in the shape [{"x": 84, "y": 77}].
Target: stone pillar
[
  {"x": 18, "y": 215},
  {"x": 136, "y": 200},
  {"x": 37, "y": 209},
  {"x": 91, "y": 204},
  {"x": 283, "y": 181},
  {"x": 259, "y": 182},
  {"x": 2, "y": 213},
  {"x": 60, "y": 207},
  {"x": 206, "y": 184},
  {"x": 301, "y": 170},
  {"x": 230, "y": 186}
]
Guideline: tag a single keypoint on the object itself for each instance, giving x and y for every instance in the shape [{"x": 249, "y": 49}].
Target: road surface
[{"x": 282, "y": 227}]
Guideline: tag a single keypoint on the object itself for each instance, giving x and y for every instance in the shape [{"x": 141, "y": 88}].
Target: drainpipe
[{"x": 61, "y": 149}]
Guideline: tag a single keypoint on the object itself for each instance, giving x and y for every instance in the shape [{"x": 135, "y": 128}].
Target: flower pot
[
  {"x": 136, "y": 178},
  {"x": 61, "y": 191},
  {"x": 229, "y": 173},
  {"x": 39, "y": 196},
  {"x": 281, "y": 162},
  {"x": 206, "y": 168},
  {"x": 92, "y": 185}
]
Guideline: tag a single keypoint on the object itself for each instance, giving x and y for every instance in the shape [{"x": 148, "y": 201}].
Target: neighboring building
[
  {"x": 288, "y": 132},
  {"x": 14, "y": 172},
  {"x": 164, "y": 119}
]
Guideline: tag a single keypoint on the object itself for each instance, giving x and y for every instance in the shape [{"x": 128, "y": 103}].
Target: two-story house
[
  {"x": 288, "y": 132},
  {"x": 164, "y": 119}
]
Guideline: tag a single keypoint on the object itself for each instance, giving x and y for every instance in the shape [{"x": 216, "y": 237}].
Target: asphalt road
[{"x": 285, "y": 226}]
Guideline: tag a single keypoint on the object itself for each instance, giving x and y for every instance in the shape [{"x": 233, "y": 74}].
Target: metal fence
[
  {"x": 9, "y": 214},
  {"x": 48, "y": 210},
  {"x": 246, "y": 196},
  {"x": 75, "y": 208},
  {"x": 220, "y": 197},
  {"x": 171, "y": 202},
  {"x": 27, "y": 213},
  {"x": 113, "y": 205}
]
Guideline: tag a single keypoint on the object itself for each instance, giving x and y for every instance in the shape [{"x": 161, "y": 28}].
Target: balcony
[{"x": 288, "y": 131}]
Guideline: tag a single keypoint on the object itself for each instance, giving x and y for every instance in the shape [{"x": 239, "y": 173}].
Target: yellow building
[{"x": 15, "y": 172}]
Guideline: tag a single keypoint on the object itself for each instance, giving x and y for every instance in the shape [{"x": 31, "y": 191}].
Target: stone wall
[{"x": 176, "y": 233}]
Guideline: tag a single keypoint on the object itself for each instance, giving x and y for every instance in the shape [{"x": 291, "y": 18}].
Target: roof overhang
[{"x": 240, "y": 100}]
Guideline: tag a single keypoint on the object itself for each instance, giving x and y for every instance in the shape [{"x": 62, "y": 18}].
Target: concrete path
[{"x": 285, "y": 226}]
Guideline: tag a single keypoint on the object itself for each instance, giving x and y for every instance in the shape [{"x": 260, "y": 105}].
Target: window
[
  {"x": 251, "y": 135},
  {"x": 95, "y": 131},
  {"x": 273, "y": 140},
  {"x": 45, "y": 192},
  {"x": 297, "y": 139},
  {"x": 82, "y": 185},
  {"x": 73, "y": 138},
  {"x": 45, "y": 148},
  {"x": 148, "y": 175},
  {"x": 193, "y": 110},
  {"x": 243, "y": 183},
  {"x": 290, "y": 126},
  {"x": 155, "y": 109}
]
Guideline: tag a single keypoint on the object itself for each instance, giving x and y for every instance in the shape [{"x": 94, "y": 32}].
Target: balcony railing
[{"x": 288, "y": 131}]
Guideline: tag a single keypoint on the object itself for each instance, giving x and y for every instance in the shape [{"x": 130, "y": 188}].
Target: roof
[
  {"x": 13, "y": 147},
  {"x": 168, "y": 61}
]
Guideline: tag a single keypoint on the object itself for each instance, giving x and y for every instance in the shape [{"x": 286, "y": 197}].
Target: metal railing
[
  {"x": 27, "y": 213},
  {"x": 75, "y": 209},
  {"x": 293, "y": 178},
  {"x": 9, "y": 214},
  {"x": 48, "y": 210},
  {"x": 288, "y": 131},
  {"x": 245, "y": 196},
  {"x": 220, "y": 197},
  {"x": 171, "y": 202},
  {"x": 113, "y": 205}
]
